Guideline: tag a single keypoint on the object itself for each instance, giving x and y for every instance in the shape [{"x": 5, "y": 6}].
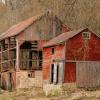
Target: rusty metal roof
[
  {"x": 63, "y": 37},
  {"x": 16, "y": 29}
]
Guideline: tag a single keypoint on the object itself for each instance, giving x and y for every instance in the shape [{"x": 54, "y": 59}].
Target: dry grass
[{"x": 37, "y": 94}]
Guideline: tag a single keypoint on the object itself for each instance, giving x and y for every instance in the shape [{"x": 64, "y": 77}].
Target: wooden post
[
  {"x": 17, "y": 55},
  {"x": 38, "y": 67},
  {"x": 64, "y": 63},
  {"x": 9, "y": 53},
  {"x": 1, "y": 55}
]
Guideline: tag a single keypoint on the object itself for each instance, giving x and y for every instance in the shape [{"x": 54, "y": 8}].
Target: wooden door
[
  {"x": 61, "y": 72},
  {"x": 56, "y": 71},
  {"x": 70, "y": 72}
]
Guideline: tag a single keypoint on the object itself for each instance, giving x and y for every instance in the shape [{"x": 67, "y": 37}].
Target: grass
[{"x": 6, "y": 98}]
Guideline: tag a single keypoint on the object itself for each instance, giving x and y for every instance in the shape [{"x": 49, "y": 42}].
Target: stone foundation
[{"x": 24, "y": 81}]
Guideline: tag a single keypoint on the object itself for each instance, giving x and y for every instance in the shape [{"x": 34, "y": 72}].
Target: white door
[
  {"x": 55, "y": 76},
  {"x": 61, "y": 72}
]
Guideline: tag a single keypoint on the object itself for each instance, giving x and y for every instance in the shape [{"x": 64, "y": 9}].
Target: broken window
[
  {"x": 53, "y": 50},
  {"x": 8, "y": 54},
  {"x": 30, "y": 56},
  {"x": 40, "y": 59},
  {"x": 31, "y": 74}
]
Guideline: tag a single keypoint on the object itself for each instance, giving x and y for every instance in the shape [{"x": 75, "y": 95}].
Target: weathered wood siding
[
  {"x": 44, "y": 28},
  {"x": 88, "y": 74},
  {"x": 79, "y": 49},
  {"x": 48, "y": 58},
  {"x": 40, "y": 29}
]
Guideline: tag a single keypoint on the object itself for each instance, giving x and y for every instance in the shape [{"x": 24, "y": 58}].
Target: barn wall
[
  {"x": 5, "y": 80},
  {"x": 38, "y": 30},
  {"x": 48, "y": 58},
  {"x": 88, "y": 74},
  {"x": 79, "y": 49},
  {"x": 44, "y": 29}
]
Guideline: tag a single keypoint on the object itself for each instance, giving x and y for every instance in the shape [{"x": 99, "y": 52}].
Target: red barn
[
  {"x": 21, "y": 50},
  {"x": 72, "y": 57}
]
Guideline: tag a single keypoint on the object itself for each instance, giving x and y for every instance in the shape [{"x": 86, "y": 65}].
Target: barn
[
  {"x": 21, "y": 50},
  {"x": 72, "y": 59}
]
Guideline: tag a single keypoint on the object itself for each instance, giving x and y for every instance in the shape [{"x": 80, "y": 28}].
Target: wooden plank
[
  {"x": 61, "y": 72},
  {"x": 63, "y": 60}
]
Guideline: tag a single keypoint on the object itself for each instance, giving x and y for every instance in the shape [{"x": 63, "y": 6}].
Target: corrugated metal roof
[
  {"x": 63, "y": 37},
  {"x": 16, "y": 29}
]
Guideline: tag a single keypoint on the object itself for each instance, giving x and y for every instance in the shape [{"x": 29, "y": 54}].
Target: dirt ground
[{"x": 37, "y": 94}]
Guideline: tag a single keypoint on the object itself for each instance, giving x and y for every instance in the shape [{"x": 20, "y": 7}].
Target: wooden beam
[
  {"x": 17, "y": 55},
  {"x": 9, "y": 49},
  {"x": 63, "y": 60},
  {"x": 9, "y": 53}
]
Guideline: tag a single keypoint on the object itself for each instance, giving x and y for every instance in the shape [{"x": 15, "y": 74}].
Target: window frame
[{"x": 86, "y": 35}]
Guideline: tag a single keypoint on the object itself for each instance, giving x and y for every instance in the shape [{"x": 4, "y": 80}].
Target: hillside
[{"x": 75, "y": 13}]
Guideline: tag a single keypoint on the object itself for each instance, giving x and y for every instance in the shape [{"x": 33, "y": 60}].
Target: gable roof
[
  {"x": 16, "y": 29},
  {"x": 63, "y": 37}
]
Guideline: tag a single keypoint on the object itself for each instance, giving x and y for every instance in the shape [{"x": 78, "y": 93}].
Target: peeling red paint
[
  {"x": 78, "y": 49},
  {"x": 48, "y": 58},
  {"x": 70, "y": 72}
]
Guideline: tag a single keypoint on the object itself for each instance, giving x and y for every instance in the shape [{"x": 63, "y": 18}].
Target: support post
[
  {"x": 9, "y": 54},
  {"x": 17, "y": 55},
  {"x": 1, "y": 54}
]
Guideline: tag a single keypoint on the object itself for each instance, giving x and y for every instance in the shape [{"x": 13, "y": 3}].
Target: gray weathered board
[{"x": 88, "y": 74}]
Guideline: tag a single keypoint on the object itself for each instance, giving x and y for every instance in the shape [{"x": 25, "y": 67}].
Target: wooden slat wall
[{"x": 88, "y": 74}]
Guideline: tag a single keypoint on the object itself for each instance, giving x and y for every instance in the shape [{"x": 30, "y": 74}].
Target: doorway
[
  {"x": 70, "y": 72},
  {"x": 54, "y": 73}
]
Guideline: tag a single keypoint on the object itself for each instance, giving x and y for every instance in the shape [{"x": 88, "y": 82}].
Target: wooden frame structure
[
  {"x": 12, "y": 56},
  {"x": 7, "y": 54}
]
